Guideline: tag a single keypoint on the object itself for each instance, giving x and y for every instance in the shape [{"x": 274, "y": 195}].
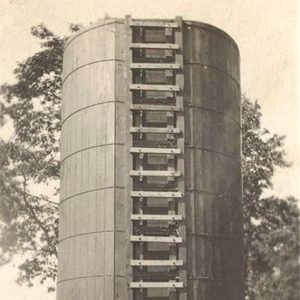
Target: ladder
[{"x": 156, "y": 267}]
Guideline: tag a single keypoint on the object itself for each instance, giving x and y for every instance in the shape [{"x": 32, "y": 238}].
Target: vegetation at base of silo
[{"x": 30, "y": 108}]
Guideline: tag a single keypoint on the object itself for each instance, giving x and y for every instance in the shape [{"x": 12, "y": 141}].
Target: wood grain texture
[
  {"x": 92, "y": 220},
  {"x": 154, "y": 46},
  {"x": 96, "y": 197},
  {"x": 212, "y": 164}
]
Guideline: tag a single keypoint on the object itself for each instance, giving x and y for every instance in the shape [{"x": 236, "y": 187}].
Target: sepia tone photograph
[{"x": 149, "y": 150}]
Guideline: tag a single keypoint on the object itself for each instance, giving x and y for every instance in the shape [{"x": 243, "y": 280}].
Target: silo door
[{"x": 157, "y": 188}]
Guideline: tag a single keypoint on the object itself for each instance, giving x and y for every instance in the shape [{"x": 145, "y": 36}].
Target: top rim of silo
[
  {"x": 103, "y": 22},
  {"x": 214, "y": 29},
  {"x": 83, "y": 30}
]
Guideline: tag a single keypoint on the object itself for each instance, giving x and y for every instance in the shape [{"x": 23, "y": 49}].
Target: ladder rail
[
  {"x": 143, "y": 284},
  {"x": 170, "y": 263},
  {"x": 155, "y": 87},
  {"x": 156, "y": 194},
  {"x": 154, "y": 173},
  {"x": 156, "y": 217},
  {"x": 135, "y": 23},
  {"x": 155, "y": 107},
  {"x": 156, "y": 239},
  {"x": 146, "y": 66},
  {"x": 154, "y": 130},
  {"x": 162, "y": 46},
  {"x": 155, "y": 150}
]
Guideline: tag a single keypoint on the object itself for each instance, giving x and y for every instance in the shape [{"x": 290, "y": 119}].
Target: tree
[
  {"x": 267, "y": 222},
  {"x": 30, "y": 157},
  {"x": 274, "y": 253}
]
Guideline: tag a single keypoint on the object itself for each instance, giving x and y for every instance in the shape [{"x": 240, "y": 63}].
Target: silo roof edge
[
  {"x": 212, "y": 28},
  {"x": 122, "y": 21},
  {"x": 91, "y": 27}
]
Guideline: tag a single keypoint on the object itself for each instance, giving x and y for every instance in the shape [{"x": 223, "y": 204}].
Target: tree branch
[
  {"x": 34, "y": 216},
  {"x": 42, "y": 199}
]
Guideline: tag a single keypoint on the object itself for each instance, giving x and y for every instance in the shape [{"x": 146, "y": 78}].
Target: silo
[
  {"x": 92, "y": 150},
  {"x": 150, "y": 174},
  {"x": 213, "y": 163}
]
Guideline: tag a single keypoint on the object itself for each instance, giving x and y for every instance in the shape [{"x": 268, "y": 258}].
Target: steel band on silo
[
  {"x": 91, "y": 141},
  {"x": 97, "y": 158}
]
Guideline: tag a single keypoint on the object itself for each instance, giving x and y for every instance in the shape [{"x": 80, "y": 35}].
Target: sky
[{"x": 265, "y": 32}]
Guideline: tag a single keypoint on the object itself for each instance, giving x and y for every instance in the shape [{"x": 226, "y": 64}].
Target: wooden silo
[{"x": 151, "y": 173}]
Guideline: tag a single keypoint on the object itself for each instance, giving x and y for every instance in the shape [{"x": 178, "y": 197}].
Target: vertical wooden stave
[
  {"x": 212, "y": 92},
  {"x": 86, "y": 156}
]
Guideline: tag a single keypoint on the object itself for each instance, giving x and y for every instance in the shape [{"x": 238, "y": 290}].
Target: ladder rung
[
  {"x": 155, "y": 87},
  {"x": 155, "y": 150},
  {"x": 153, "y": 24},
  {"x": 146, "y": 285},
  {"x": 154, "y": 66},
  {"x": 154, "y": 46},
  {"x": 154, "y": 130},
  {"x": 156, "y": 194},
  {"x": 157, "y": 217},
  {"x": 154, "y": 107},
  {"x": 154, "y": 173},
  {"x": 156, "y": 239},
  {"x": 156, "y": 262}
]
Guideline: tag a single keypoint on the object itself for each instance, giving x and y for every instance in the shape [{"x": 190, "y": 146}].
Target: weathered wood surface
[
  {"x": 154, "y": 107},
  {"x": 182, "y": 249},
  {"x": 154, "y": 66},
  {"x": 96, "y": 142},
  {"x": 128, "y": 249},
  {"x": 139, "y": 284},
  {"x": 156, "y": 239},
  {"x": 156, "y": 194},
  {"x": 156, "y": 217},
  {"x": 156, "y": 262},
  {"x": 154, "y": 130},
  {"x": 154, "y": 87},
  {"x": 154, "y": 173},
  {"x": 145, "y": 23},
  {"x": 212, "y": 164},
  {"x": 155, "y": 150},
  {"x": 93, "y": 130},
  {"x": 154, "y": 46}
]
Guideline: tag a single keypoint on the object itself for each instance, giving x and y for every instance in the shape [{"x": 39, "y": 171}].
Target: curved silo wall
[
  {"x": 94, "y": 216},
  {"x": 92, "y": 143},
  {"x": 213, "y": 164}
]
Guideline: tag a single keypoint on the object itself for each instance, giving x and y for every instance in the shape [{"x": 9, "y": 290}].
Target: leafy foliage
[
  {"x": 274, "y": 253},
  {"x": 30, "y": 158},
  {"x": 262, "y": 152},
  {"x": 264, "y": 222}
]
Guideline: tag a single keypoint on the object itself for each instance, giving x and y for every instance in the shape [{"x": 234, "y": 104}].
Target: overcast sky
[{"x": 265, "y": 31}]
